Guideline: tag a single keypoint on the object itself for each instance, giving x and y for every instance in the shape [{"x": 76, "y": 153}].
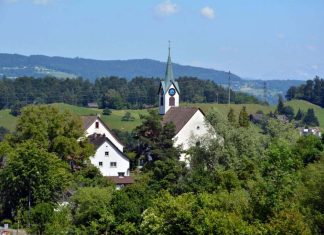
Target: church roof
[
  {"x": 179, "y": 116},
  {"x": 169, "y": 79}
]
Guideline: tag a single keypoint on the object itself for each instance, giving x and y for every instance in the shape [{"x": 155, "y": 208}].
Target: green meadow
[{"x": 114, "y": 121}]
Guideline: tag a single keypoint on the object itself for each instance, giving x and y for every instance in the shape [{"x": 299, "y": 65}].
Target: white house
[
  {"x": 109, "y": 156},
  {"x": 190, "y": 125}
]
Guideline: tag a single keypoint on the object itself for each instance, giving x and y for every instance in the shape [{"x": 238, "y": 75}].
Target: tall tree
[
  {"x": 310, "y": 119},
  {"x": 231, "y": 116},
  {"x": 244, "y": 118}
]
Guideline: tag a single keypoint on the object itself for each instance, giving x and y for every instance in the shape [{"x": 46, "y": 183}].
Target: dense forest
[
  {"x": 312, "y": 91},
  {"x": 108, "y": 92},
  {"x": 265, "y": 180}
]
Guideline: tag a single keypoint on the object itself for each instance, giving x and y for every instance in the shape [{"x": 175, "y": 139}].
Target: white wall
[
  {"x": 194, "y": 130},
  {"x": 114, "y": 156},
  {"x": 166, "y": 96},
  {"x": 102, "y": 130}
]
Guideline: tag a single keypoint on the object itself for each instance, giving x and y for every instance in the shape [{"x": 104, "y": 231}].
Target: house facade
[{"x": 109, "y": 156}]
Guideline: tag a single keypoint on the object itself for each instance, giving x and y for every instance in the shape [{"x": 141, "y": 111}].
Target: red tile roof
[{"x": 121, "y": 179}]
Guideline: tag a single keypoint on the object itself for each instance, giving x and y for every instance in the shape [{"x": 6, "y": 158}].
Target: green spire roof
[{"x": 169, "y": 71}]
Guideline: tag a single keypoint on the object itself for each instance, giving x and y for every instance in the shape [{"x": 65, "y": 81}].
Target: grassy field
[{"x": 114, "y": 120}]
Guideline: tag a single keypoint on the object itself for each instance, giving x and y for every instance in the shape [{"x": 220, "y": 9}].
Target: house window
[
  {"x": 106, "y": 154},
  {"x": 113, "y": 164},
  {"x": 171, "y": 101},
  {"x": 97, "y": 125},
  {"x": 100, "y": 164},
  {"x": 161, "y": 101},
  {"x": 198, "y": 127},
  {"x": 121, "y": 174}
]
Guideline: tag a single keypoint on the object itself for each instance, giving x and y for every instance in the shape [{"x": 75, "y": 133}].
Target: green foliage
[
  {"x": 41, "y": 216},
  {"x": 93, "y": 210},
  {"x": 310, "y": 119},
  {"x": 299, "y": 116},
  {"x": 128, "y": 117},
  {"x": 32, "y": 174},
  {"x": 231, "y": 117},
  {"x": 106, "y": 111},
  {"x": 3, "y": 132},
  {"x": 244, "y": 118}
]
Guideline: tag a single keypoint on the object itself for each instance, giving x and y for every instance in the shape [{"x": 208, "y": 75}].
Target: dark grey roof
[
  {"x": 179, "y": 116},
  {"x": 89, "y": 120},
  {"x": 97, "y": 140}
]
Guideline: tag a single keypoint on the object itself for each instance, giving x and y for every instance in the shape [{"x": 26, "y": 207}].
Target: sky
[{"x": 256, "y": 39}]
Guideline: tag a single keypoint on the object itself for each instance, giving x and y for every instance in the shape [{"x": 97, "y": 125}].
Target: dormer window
[{"x": 97, "y": 124}]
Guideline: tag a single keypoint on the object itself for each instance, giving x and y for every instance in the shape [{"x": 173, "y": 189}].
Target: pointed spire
[{"x": 169, "y": 70}]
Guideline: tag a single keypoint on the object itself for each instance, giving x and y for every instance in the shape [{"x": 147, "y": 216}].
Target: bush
[{"x": 106, "y": 111}]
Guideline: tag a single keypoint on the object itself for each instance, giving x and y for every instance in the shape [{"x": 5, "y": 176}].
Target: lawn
[{"x": 114, "y": 120}]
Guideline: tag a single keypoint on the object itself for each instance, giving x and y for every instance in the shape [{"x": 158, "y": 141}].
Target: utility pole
[
  {"x": 229, "y": 87},
  {"x": 265, "y": 92}
]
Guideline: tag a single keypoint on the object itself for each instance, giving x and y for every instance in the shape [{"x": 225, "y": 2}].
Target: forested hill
[
  {"x": 312, "y": 91},
  {"x": 14, "y": 65}
]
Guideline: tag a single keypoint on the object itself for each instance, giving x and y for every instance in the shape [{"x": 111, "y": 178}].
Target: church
[{"x": 190, "y": 125}]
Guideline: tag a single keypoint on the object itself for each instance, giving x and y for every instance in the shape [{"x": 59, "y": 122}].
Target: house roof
[
  {"x": 89, "y": 120},
  {"x": 97, "y": 140},
  {"x": 179, "y": 116},
  {"x": 121, "y": 179}
]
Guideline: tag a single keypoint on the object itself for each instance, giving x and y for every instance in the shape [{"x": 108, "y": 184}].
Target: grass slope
[{"x": 114, "y": 120}]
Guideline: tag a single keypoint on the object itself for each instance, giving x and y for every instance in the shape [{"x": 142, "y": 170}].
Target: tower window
[
  {"x": 171, "y": 101},
  {"x": 100, "y": 164},
  {"x": 106, "y": 154},
  {"x": 97, "y": 125},
  {"x": 161, "y": 101}
]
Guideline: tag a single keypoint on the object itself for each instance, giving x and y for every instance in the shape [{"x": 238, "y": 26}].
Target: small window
[
  {"x": 161, "y": 101},
  {"x": 100, "y": 164},
  {"x": 198, "y": 127},
  {"x": 121, "y": 174},
  {"x": 106, "y": 154},
  {"x": 113, "y": 164},
  {"x": 97, "y": 125}
]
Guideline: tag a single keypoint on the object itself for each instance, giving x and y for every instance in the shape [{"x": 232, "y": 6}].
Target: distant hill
[{"x": 14, "y": 65}]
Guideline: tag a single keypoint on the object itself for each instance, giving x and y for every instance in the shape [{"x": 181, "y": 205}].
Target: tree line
[
  {"x": 108, "y": 92},
  {"x": 250, "y": 182},
  {"x": 312, "y": 91}
]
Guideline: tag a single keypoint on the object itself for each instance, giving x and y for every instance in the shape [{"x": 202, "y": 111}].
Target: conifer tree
[
  {"x": 310, "y": 119},
  {"x": 231, "y": 116},
  {"x": 299, "y": 116},
  {"x": 280, "y": 106},
  {"x": 244, "y": 118}
]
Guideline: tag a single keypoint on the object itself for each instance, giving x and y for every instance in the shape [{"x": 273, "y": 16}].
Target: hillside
[
  {"x": 14, "y": 65},
  {"x": 114, "y": 120}
]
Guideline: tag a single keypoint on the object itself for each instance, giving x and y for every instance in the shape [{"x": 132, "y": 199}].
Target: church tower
[{"x": 169, "y": 89}]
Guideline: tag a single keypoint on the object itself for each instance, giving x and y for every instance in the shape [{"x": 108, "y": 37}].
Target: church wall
[
  {"x": 114, "y": 156},
  {"x": 192, "y": 132},
  {"x": 102, "y": 130}
]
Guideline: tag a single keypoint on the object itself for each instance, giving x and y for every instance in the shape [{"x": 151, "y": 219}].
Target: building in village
[
  {"x": 109, "y": 156},
  {"x": 190, "y": 125}
]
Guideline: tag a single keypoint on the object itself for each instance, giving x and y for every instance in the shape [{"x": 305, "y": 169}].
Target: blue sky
[{"x": 264, "y": 39}]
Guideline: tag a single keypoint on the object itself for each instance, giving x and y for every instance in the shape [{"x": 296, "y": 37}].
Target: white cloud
[
  {"x": 166, "y": 8},
  {"x": 314, "y": 66},
  {"x": 207, "y": 12}
]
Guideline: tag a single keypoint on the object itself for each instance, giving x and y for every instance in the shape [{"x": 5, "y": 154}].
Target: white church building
[{"x": 190, "y": 125}]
